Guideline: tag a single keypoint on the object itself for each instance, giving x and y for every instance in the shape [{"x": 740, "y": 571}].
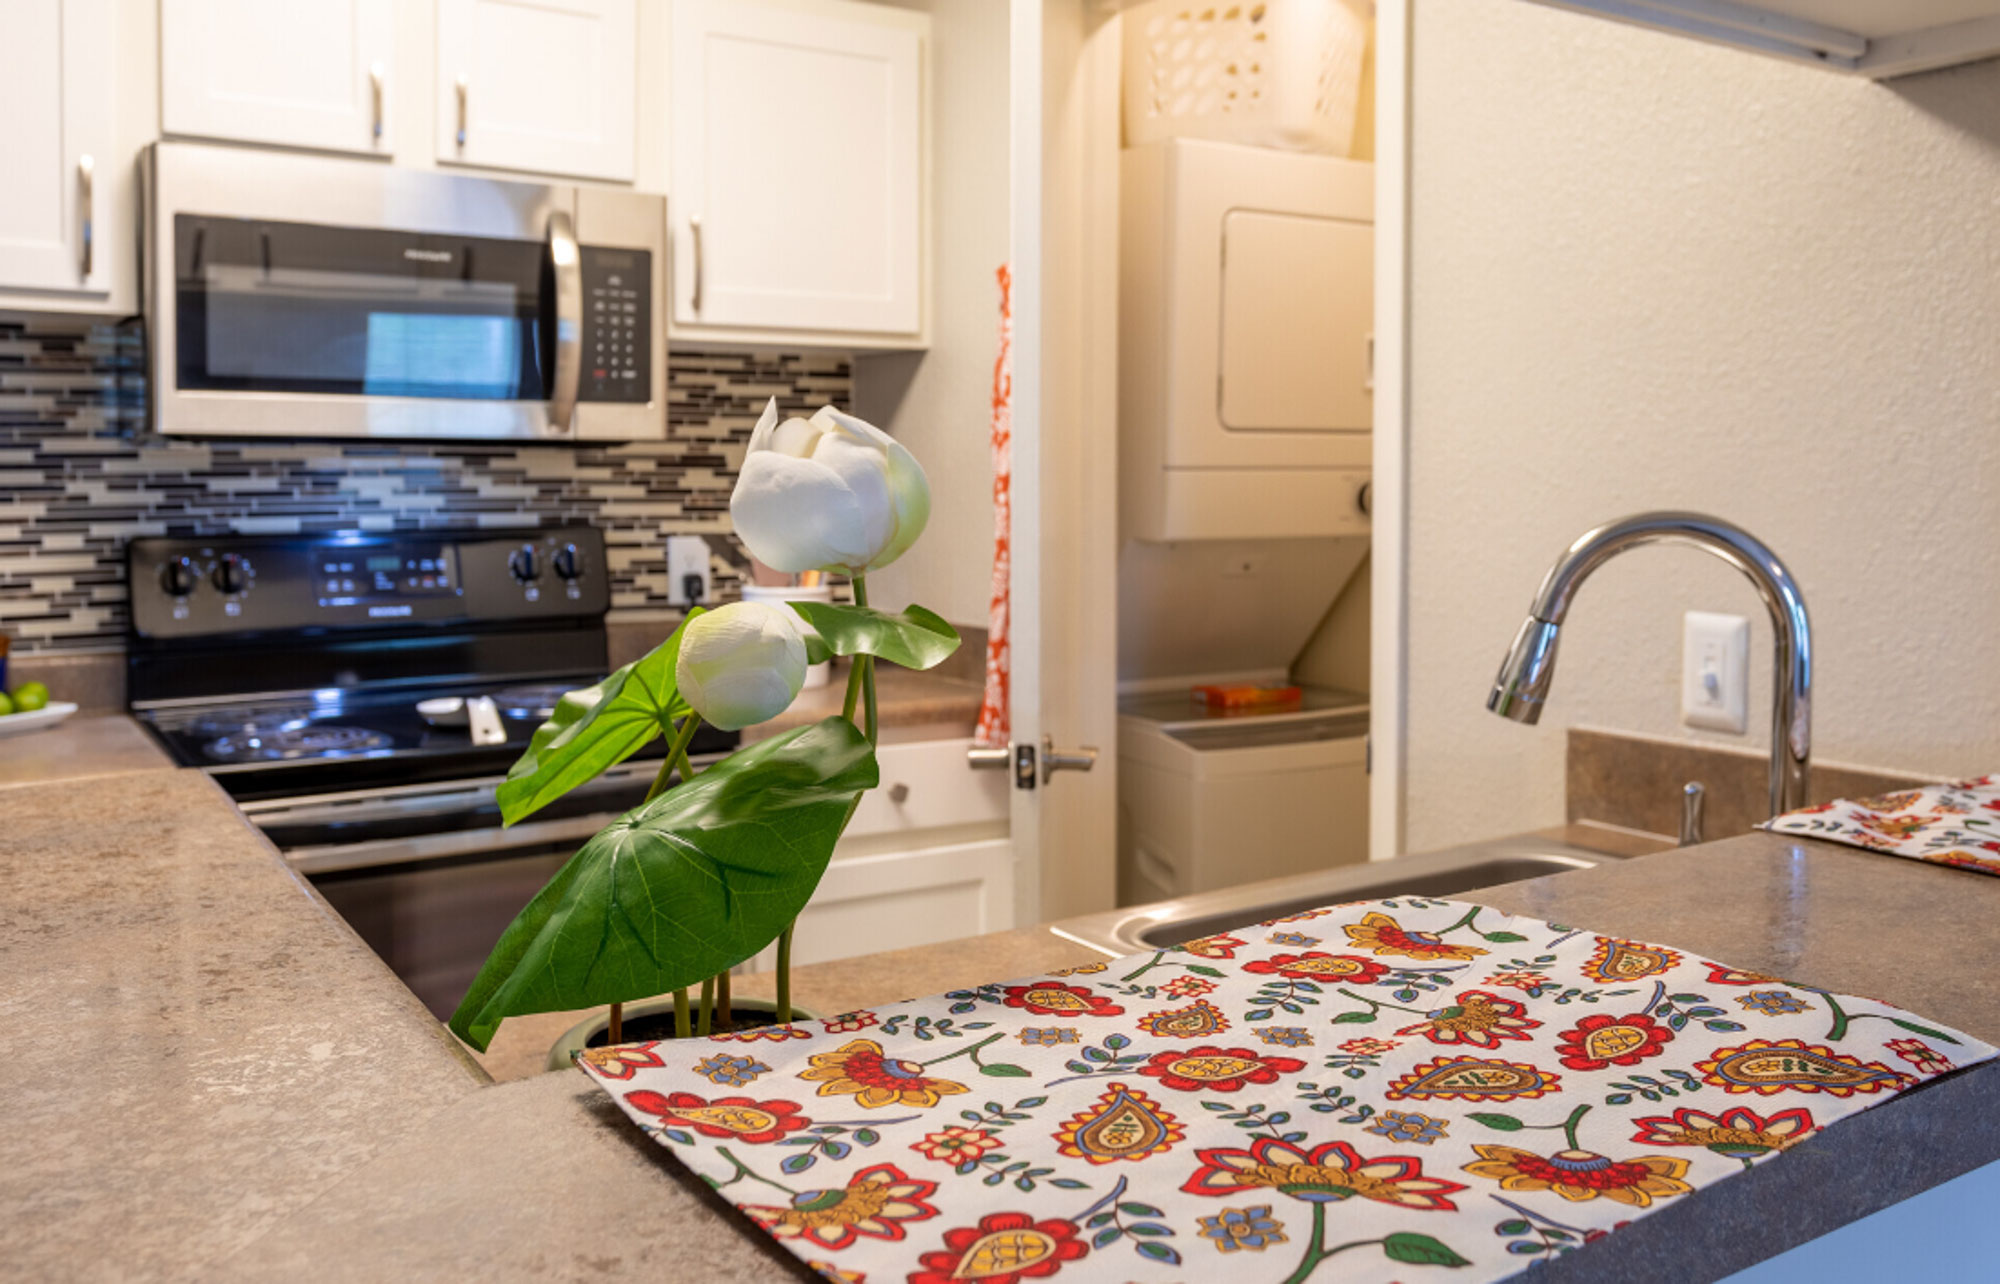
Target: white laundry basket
[{"x": 1270, "y": 73}]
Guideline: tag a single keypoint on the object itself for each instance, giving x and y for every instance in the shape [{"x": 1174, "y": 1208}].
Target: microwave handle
[{"x": 569, "y": 321}]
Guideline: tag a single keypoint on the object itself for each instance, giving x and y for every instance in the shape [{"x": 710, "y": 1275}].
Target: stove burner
[
  {"x": 256, "y": 721},
  {"x": 530, "y": 701},
  {"x": 299, "y": 741}
]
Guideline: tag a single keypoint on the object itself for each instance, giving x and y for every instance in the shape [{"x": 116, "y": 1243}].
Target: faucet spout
[{"x": 1522, "y": 686}]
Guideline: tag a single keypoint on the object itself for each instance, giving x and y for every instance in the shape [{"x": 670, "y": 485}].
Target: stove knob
[
  {"x": 524, "y": 565},
  {"x": 231, "y": 574},
  {"x": 177, "y": 577},
  {"x": 567, "y": 563}
]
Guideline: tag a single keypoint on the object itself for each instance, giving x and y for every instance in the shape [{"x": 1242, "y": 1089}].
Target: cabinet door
[
  {"x": 305, "y": 73},
  {"x": 547, "y": 86},
  {"x": 797, "y": 163},
  {"x": 898, "y": 899},
  {"x": 57, "y": 96}
]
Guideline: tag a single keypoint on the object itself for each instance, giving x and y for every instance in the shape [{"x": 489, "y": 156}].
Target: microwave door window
[{"x": 297, "y": 308}]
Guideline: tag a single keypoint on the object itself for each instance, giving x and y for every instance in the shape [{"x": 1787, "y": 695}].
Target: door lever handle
[
  {"x": 461, "y": 111},
  {"x": 979, "y": 757},
  {"x": 1082, "y": 759}
]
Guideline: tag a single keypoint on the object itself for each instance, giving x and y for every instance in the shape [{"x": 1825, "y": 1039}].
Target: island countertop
[{"x": 215, "y": 1079}]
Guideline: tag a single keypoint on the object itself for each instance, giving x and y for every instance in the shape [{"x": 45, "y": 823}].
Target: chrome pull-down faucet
[{"x": 1523, "y": 684}]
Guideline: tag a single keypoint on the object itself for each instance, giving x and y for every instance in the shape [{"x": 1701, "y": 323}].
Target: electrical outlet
[
  {"x": 1715, "y": 672},
  {"x": 687, "y": 559}
]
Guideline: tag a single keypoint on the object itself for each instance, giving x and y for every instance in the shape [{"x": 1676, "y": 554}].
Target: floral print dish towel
[
  {"x": 1956, "y": 824},
  {"x": 1376, "y": 1091}
]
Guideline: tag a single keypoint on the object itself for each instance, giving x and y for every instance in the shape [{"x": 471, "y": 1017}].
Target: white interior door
[
  {"x": 547, "y": 86},
  {"x": 57, "y": 95},
  {"x": 306, "y": 73},
  {"x": 1064, "y": 152},
  {"x": 797, "y": 160}
]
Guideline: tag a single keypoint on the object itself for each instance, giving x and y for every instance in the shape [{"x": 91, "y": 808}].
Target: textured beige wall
[
  {"x": 936, "y": 402},
  {"x": 1650, "y": 273}
]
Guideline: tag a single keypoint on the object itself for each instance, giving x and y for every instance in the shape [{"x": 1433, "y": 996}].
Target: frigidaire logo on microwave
[{"x": 428, "y": 256}]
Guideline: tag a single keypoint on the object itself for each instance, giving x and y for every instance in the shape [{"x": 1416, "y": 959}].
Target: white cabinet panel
[
  {"x": 57, "y": 96},
  {"x": 798, "y": 167},
  {"x": 895, "y": 900},
  {"x": 927, "y": 785},
  {"x": 304, "y": 73},
  {"x": 548, "y": 87}
]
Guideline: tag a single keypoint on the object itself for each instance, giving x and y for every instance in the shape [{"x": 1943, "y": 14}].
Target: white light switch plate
[
  {"x": 687, "y": 555},
  {"x": 1715, "y": 672}
]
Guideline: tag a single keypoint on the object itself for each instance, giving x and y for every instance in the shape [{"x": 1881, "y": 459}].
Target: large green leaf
[
  {"x": 915, "y": 639},
  {"x": 595, "y": 728},
  {"x": 681, "y": 888}
]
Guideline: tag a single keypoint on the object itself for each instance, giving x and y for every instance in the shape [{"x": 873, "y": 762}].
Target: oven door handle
[
  {"x": 568, "y": 322},
  {"x": 332, "y": 857}
]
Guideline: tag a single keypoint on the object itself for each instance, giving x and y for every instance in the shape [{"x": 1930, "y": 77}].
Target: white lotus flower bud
[
  {"x": 741, "y": 664},
  {"x": 831, "y": 493}
]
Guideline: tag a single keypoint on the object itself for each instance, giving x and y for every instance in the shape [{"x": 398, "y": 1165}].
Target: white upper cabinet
[
  {"x": 798, "y": 169},
  {"x": 547, "y": 87},
  {"x": 58, "y": 97},
  {"x": 302, "y": 73}
]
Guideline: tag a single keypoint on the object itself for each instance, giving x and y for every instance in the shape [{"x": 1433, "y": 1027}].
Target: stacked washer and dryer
[{"x": 1245, "y": 414}]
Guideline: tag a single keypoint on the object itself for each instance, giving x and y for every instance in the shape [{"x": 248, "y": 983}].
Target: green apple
[
  {"x": 6, "y": 705},
  {"x": 30, "y": 696}
]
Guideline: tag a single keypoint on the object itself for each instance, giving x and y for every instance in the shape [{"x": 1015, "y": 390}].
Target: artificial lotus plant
[{"x": 713, "y": 866}]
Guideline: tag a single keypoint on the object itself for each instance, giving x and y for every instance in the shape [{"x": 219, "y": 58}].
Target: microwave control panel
[{"x": 617, "y": 325}]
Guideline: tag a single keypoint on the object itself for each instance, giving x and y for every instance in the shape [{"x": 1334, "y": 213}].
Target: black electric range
[{"x": 291, "y": 669}]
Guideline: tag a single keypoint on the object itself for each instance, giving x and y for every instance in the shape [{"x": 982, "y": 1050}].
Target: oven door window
[{"x": 274, "y": 307}]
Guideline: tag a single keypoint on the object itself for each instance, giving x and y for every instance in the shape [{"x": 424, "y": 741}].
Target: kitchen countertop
[
  {"x": 200, "y": 1047},
  {"x": 80, "y": 746},
  {"x": 261, "y": 1096},
  {"x": 909, "y": 705}
]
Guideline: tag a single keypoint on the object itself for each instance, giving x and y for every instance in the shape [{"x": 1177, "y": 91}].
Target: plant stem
[
  {"x": 847, "y": 707},
  {"x": 681, "y": 1022},
  {"x": 785, "y": 974},
  {"x": 616, "y": 1034},
  {"x": 724, "y": 1015},
  {"x": 707, "y": 1006},
  {"x": 866, "y": 665},
  {"x": 676, "y": 753}
]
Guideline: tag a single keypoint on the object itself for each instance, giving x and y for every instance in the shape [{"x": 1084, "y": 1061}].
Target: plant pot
[{"x": 653, "y": 1019}]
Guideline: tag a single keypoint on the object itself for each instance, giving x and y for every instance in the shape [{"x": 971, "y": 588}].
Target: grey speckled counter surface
[{"x": 214, "y": 1079}]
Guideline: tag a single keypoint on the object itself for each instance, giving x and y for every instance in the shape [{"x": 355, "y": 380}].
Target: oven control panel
[
  {"x": 214, "y": 585},
  {"x": 617, "y": 325}
]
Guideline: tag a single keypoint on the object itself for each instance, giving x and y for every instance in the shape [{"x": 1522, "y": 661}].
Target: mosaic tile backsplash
[{"x": 78, "y": 478}]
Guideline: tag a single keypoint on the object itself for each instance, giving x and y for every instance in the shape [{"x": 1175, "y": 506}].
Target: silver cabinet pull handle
[
  {"x": 375, "y": 74},
  {"x": 86, "y": 182},
  {"x": 694, "y": 227},
  {"x": 461, "y": 111},
  {"x": 569, "y": 320}
]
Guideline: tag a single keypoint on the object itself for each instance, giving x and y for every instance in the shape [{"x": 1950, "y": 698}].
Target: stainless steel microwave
[{"x": 302, "y": 296}]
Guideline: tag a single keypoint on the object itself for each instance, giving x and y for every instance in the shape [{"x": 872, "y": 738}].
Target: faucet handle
[{"x": 1691, "y": 799}]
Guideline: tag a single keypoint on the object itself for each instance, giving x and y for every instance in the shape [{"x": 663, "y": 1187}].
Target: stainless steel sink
[{"x": 1444, "y": 873}]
